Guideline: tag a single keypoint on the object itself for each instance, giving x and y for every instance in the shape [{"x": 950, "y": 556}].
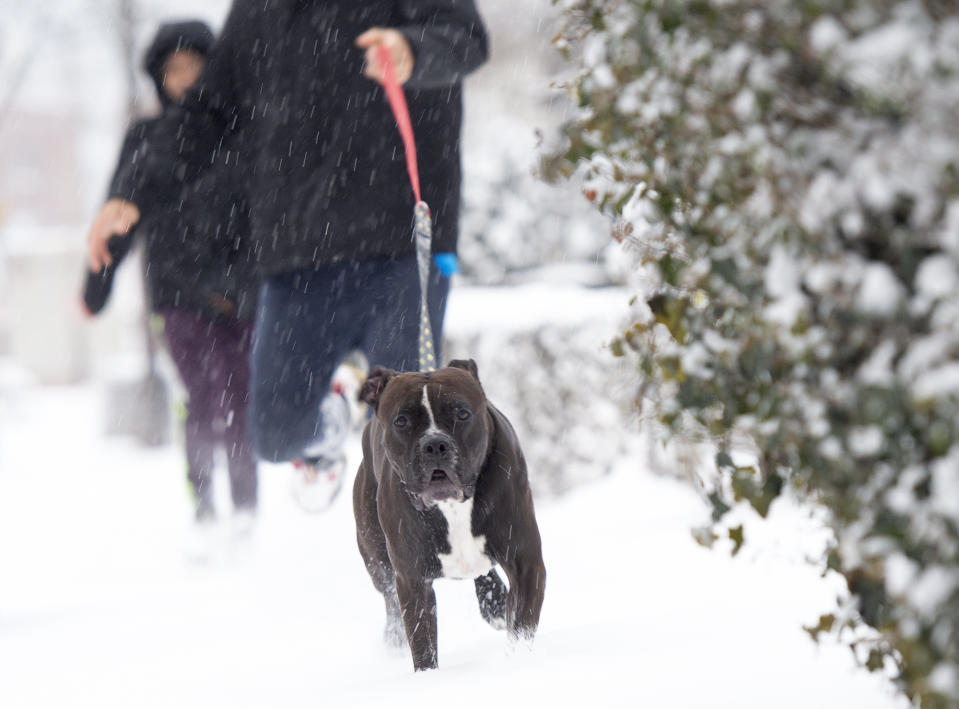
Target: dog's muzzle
[{"x": 437, "y": 473}]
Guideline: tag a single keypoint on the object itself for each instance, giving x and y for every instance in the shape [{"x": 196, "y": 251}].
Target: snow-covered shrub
[
  {"x": 788, "y": 177},
  {"x": 558, "y": 384},
  {"x": 513, "y": 224}
]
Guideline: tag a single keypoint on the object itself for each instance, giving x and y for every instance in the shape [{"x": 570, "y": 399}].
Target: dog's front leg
[
  {"x": 418, "y": 603},
  {"x": 527, "y": 586}
]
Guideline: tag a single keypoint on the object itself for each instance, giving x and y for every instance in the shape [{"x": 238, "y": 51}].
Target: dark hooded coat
[
  {"x": 283, "y": 98},
  {"x": 196, "y": 234}
]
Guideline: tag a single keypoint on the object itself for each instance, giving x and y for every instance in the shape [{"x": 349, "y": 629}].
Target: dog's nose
[{"x": 436, "y": 447}]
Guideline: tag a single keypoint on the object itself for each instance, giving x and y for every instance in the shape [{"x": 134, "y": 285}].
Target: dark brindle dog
[{"x": 442, "y": 492}]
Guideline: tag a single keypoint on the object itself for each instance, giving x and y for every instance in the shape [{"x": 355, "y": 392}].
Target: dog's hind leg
[
  {"x": 491, "y": 594},
  {"x": 395, "y": 633},
  {"x": 527, "y": 584}
]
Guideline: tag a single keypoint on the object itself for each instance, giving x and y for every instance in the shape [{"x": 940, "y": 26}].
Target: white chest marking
[
  {"x": 467, "y": 558},
  {"x": 429, "y": 412}
]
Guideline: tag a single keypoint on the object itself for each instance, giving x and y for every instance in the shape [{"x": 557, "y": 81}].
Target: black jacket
[
  {"x": 283, "y": 98},
  {"x": 198, "y": 254}
]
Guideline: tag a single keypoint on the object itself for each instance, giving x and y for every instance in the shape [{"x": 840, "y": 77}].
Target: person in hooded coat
[
  {"x": 290, "y": 96},
  {"x": 200, "y": 278}
]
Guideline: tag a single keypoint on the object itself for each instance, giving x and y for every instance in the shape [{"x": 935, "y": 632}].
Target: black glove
[{"x": 97, "y": 286}]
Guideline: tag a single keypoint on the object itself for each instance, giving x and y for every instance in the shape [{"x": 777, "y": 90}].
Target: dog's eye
[
  {"x": 401, "y": 421},
  {"x": 463, "y": 414}
]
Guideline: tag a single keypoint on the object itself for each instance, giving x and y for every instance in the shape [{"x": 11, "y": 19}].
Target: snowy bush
[
  {"x": 787, "y": 175},
  {"x": 514, "y": 224},
  {"x": 560, "y": 387}
]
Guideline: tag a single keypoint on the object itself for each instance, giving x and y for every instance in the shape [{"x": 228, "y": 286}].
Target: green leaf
[
  {"x": 736, "y": 535},
  {"x": 825, "y": 625},
  {"x": 617, "y": 348},
  {"x": 670, "y": 311}
]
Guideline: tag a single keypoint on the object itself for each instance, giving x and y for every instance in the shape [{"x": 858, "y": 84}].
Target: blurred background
[{"x": 71, "y": 80}]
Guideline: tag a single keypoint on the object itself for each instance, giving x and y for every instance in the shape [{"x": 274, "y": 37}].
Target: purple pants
[{"x": 213, "y": 359}]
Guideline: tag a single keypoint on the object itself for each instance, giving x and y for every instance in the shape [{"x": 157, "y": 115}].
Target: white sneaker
[
  {"x": 335, "y": 426},
  {"x": 318, "y": 477},
  {"x": 317, "y": 482}
]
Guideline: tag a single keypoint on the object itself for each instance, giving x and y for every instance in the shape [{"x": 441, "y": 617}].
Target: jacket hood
[{"x": 172, "y": 36}]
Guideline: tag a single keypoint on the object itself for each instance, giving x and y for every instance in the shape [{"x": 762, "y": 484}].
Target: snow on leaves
[{"x": 787, "y": 176}]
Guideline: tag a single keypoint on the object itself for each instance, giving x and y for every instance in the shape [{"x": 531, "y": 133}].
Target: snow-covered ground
[{"x": 101, "y": 607}]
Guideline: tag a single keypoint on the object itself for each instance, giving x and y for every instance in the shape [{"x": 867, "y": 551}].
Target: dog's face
[{"x": 436, "y": 429}]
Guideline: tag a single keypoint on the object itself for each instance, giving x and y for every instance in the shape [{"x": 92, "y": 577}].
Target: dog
[{"x": 442, "y": 492}]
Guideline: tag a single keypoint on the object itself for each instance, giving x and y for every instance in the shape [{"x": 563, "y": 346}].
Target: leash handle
[
  {"x": 422, "y": 221},
  {"x": 401, "y": 112}
]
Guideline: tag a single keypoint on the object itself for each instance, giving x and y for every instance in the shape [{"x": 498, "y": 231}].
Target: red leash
[
  {"x": 422, "y": 222},
  {"x": 401, "y": 112}
]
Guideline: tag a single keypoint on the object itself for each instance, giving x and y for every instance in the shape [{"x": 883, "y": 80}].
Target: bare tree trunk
[
  {"x": 127, "y": 19},
  {"x": 151, "y": 424}
]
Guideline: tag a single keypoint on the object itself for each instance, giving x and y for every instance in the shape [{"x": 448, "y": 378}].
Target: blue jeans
[{"x": 308, "y": 321}]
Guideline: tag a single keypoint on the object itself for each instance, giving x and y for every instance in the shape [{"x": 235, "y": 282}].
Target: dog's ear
[
  {"x": 467, "y": 364},
  {"x": 375, "y": 385}
]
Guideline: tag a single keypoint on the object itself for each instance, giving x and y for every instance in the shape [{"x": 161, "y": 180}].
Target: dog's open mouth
[{"x": 441, "y": 487}]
